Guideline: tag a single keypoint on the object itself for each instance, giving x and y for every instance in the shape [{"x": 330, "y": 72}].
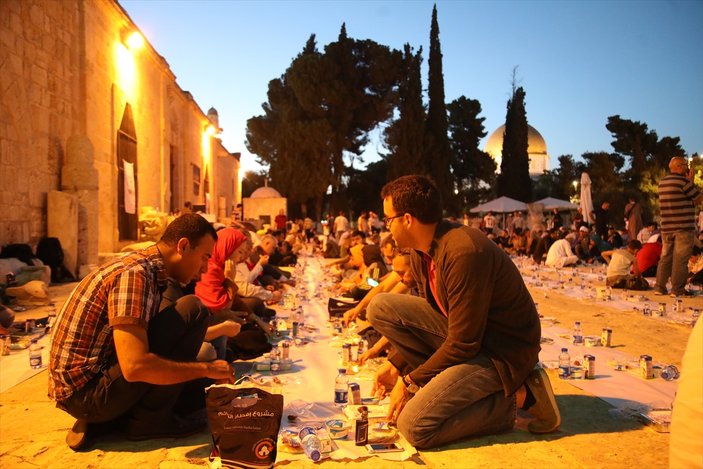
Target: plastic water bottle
[
  {"x": 577, "y": 334},
  {"x": 564, "y": 364},
  {"x": 51, "y": 318},
  {"x": 311, "y": 443},
  {"x": 341, "y": 388},
  {"x": 275, "y": 355},
  {"x": 35, "y": 360}
]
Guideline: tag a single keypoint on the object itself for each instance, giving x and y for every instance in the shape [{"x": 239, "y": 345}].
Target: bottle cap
[
  {"x": 305, "y": 431},
  {"x": 564, "y": 349},
  {"x": 342, "y": 370}
]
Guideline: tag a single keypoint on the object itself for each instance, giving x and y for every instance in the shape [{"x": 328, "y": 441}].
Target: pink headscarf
[{"x": 210, "y": 288}]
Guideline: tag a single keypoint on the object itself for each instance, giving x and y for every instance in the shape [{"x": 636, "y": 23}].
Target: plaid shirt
[{"x": 125, "y": 290}]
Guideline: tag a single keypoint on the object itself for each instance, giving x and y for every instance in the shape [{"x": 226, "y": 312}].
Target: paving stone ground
[{"x": 592, "y": 435}]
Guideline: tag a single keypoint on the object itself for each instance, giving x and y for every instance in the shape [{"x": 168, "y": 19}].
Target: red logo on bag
[{"x": 263, "y": 449}]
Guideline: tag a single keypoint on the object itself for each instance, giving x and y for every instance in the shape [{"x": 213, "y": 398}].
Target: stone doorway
[
  {"x": 127, "y": 209},
  {"x": 174, "y": 181}
]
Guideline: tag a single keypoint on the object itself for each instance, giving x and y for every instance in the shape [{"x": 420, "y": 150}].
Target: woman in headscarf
[{"x": 219, "y": 294}]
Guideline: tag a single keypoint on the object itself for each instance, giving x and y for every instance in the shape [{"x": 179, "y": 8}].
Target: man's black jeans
[{"x": 175, "y": 333}]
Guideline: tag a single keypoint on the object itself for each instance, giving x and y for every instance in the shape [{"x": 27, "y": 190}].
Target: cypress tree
[
  {"x": 514, "y": 178},
  {"x": 437, "y": 153}
]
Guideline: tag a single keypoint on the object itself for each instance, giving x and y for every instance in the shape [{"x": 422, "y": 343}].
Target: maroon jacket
[{"x": 489, "y": 308}]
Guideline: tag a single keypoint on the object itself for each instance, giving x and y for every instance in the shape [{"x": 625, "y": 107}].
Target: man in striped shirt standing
[
  {"x": 114, "y": 354},
  {"x": 678, "y": 197}
]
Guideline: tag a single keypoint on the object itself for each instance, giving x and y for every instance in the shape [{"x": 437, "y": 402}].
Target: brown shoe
[
  {"x": 77, "y": 437},
  {"x": 545, "y": 410}
]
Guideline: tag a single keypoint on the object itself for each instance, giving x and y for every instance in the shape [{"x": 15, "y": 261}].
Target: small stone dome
[
  {"x": 265, "y": 193},
  {"x": 536, "y": 149}
]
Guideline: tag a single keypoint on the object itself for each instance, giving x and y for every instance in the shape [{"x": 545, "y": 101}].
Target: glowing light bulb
[{"x": 134, "y": 40}]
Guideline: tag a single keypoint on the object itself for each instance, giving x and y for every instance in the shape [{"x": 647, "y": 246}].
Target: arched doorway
[{"x": 127, "y": 219}]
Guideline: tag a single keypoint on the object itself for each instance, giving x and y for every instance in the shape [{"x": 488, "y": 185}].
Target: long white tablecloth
[{"x": 315, "y": 364}]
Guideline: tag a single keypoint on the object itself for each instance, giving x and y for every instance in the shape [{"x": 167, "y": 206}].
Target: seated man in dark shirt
[
  {"x": 543, "y": 245},
  {"x": 466, "y": 348},
  {"x": 585, "y": 247},
  {"x": 272, "y": 275}
]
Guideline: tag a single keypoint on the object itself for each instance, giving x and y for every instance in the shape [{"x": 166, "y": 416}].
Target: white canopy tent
[
  {"x": 500, "y": 205},
  {"x": 551, "y": 203}
]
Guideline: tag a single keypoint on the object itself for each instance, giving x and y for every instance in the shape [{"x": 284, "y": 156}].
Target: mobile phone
[
  {"x": 383, "y": 448},
  {"x": 371, "y": 282}
]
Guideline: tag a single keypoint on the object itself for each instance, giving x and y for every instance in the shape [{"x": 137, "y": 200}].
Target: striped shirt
[
  {"x": 676, "y": 196},
  {"x": 125, "y": 290}
]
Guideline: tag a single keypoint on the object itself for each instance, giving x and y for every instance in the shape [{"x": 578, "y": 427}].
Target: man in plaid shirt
[{"x": 114, "y": 355}]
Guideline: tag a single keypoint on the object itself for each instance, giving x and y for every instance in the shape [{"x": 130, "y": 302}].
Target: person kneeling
[
  {"x": 114, "y": 354},
  {"x": 465, "y": 350},
  {"x": 620, "y": 263}
]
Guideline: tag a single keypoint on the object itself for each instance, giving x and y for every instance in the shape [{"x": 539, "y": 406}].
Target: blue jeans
[
  {"x": 676, "y": 250},
  {"x": 463, "y": 400}
]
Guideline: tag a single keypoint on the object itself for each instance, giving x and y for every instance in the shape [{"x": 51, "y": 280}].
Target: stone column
[
  {"x": 62, "y": 223},
  {"x": 80, "y": 178}
]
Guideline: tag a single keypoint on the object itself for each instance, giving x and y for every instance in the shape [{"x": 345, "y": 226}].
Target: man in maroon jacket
[{"x": 466, "y": 348}]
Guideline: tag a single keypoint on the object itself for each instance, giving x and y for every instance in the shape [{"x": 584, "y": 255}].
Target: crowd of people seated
[{"x": 558, "y": 245}]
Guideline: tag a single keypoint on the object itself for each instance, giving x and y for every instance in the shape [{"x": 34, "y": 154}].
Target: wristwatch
[{"x": 409, "y": 385}]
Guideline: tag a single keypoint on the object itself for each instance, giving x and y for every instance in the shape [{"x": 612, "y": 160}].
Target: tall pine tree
[
  {"x": 514, "y": 178},
  {"x": 437, "y": 153}
]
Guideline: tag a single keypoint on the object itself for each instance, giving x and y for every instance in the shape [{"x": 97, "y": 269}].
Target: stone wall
[
  {"x": 38, "y": 56},
  {"x": 64, "y": 71}
]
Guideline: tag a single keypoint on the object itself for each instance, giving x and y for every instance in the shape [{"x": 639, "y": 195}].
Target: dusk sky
[{"x": 579, "y": 61}]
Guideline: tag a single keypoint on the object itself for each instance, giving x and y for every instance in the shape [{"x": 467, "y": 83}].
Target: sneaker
[
  {"x": 77, "y": 437},
  {"x": 659, "y": 293},
  {"x": 545, "y": 410},
  {"x": 171, "y": 427},
  {"x": 683, "y": 294}
]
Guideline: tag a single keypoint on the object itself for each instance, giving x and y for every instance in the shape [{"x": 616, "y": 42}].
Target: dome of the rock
[{"x": 536, "y": 149}]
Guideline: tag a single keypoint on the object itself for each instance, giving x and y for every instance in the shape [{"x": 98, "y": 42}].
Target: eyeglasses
[{"x": 389, "y": 220}]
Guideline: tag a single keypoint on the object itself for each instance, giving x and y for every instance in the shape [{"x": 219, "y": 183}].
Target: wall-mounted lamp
[
  {"x": 132, "y": 38},
  {"x": 212, "y": 131}
]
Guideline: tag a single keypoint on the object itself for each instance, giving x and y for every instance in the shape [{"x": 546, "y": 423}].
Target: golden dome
[{"x": 536, "y": 149}]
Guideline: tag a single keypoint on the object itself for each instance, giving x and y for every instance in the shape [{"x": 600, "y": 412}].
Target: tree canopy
[
  {"x": 322, "y": 110},
  {"x": 319, "y": 114},
  {"x": 405, "y": 136},
  {"x": 473, "y": 169}
]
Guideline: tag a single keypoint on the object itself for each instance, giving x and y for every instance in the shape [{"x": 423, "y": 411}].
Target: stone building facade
[{"x": 102, "y": 122}]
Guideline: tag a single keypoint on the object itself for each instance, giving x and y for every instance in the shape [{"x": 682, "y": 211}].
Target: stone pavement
[
  {"x": 32, "y": 432},
  {"x": 593, "y": 434}
]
